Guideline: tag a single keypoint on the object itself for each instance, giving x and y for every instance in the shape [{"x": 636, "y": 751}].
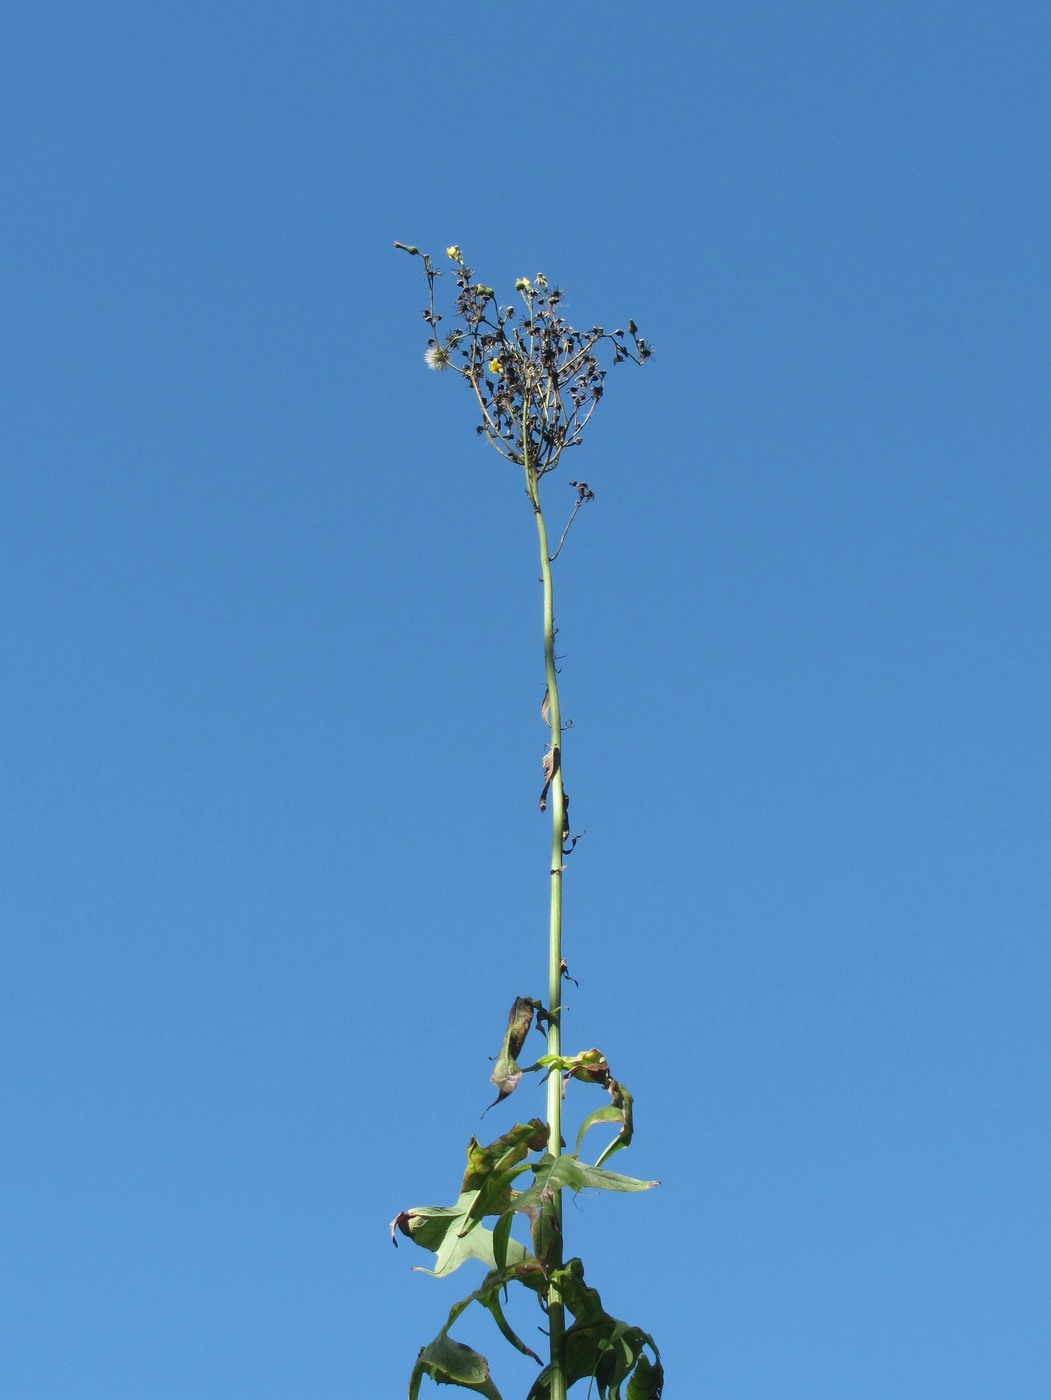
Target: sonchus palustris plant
[{"x": 536, "y": 381}]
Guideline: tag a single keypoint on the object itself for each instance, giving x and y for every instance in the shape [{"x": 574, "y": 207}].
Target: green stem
[{"x": 555, "y": 1310}]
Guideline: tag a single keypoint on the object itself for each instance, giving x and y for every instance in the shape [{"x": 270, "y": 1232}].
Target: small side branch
[{"x": 584, "y": 494}]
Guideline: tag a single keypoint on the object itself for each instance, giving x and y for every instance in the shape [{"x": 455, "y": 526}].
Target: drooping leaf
[
  {"x": 448, "y": 1362},
  {"x": 608, "y": 1114},
  {"x": 647, "y": 1380},
  {"x": 488, "y": 1294},
  {"x": 451, "y": 1363},
  {"x": 591, "y": 1067}
]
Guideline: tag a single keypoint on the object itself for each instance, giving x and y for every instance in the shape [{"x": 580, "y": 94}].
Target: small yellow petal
[
  {"x": 494, "y": 365},
  {"x": 453, "y": 253}
]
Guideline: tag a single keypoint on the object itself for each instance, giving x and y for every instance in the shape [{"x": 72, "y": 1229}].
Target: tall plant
[{"x": 536, "y": 381}]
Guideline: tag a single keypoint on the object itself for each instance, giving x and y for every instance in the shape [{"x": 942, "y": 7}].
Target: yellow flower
[
  {"x": 522, "y": 285},
  {"x": 453, "y": 253},
  {"x": 494, "y": 366}
]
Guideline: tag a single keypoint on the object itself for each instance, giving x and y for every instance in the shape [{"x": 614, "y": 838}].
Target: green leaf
[
  {"x": 451, "y": 1363},
  {"x": 450, "y": 1233},
  {"x": 591, "y": 1067},
  {"x": 647, "y": 1380},
  {"x": 502, "y": 1238},
  {"x": 554, "y": 1173},
  {"x": 601, "y": 1348},
  {"x": 454, "y": 1233},
  {"x": 609, "y": 1114}
]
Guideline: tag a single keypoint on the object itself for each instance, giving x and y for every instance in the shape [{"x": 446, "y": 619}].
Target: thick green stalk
[{"x": 555, "y": 1310}]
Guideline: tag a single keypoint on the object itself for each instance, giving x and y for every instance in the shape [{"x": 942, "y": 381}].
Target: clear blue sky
[{"x": 273, "y": 869}]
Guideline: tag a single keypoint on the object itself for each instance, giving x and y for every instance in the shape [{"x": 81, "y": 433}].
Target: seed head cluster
[{"x": 536, "y": 378}]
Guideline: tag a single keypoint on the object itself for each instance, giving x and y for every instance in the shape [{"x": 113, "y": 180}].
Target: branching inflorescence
[{"x": 537, "y": 380}]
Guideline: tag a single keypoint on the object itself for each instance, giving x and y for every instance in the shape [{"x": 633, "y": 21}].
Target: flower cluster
[{"x": 536, "y": 378}]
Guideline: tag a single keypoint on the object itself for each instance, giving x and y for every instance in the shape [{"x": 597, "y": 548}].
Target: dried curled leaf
[
  {"x": 550, "y": 764},
  {"x": 507, "y": 1073},
  {"x": 563, "y": 971}
]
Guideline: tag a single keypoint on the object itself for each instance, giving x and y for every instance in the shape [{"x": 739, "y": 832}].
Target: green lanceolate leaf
[
  {"x": 620, "y": 1111},
  {"x": 555, "y": 1173},
  {"x": 502, "y": 1239},
  {"x": 488, "y": 1294},
  {"x": 507, "y": 1073}
]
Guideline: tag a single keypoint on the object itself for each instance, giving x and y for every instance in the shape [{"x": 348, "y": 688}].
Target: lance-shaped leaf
[
  {"x": 488, "y": 1294},
  {"x": 554, "y": 1173},
  {"x": 620, "y": 1111},
  {"x": 507, "y": 1073},
  {"x": 600, "y": 1347}
]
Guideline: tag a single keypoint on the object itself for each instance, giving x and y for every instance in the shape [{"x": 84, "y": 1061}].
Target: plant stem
[{"x": 555, "y": 1310}]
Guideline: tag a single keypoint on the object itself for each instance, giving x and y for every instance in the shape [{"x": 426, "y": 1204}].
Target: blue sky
[{"x": 273, "y": 868}]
